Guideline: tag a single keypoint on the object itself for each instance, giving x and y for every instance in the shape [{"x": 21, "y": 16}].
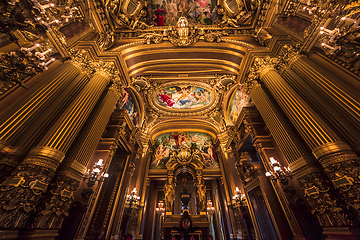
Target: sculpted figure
[
  {"x": 169, "y": 195},
  {"x": 201, "y": 191}
]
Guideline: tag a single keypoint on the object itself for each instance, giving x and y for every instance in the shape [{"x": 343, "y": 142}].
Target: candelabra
[
  {"x": 239, "y": 199},
  {"x": 17, "y": 66},
  {"x": 132, "y": 198},
  {"x": 209, "y": 207},
  {"x": 279, "y": 173},
  {"x": 328, "y": 9},
  {"x": 95, "y": 176},
  {"x": 161, "y": 208}
]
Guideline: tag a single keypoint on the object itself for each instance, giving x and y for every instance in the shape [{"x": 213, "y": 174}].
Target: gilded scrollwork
[
  {"x": 127, "y": 14},
  {"x": 19, "y": 201},
  {"x": 183, "y": 35},
  {"x": 15, "y": 67},
  {"x": 106, "y": 40},
  {"x": 245, "y": 168},
  {"x": 324, "y": 203},
  {"x": 55, "y": 205},
  {"x": 82, "y": 60},
  {"x": 343, "y": 169}
]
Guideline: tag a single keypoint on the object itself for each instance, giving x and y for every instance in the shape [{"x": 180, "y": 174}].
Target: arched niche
[
  {"x": 132, "y": 103},
  {"x": 235, "y": 102},
  {"x": 185, "y": 160}
]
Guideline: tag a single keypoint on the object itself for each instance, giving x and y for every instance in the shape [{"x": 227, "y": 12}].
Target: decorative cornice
[
  {"x": 259, "y": 68},
  {"x": 184, "y": 35},
  {"x": 82, "y": 60}
]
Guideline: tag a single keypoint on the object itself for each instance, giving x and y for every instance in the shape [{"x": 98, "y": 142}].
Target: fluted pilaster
[
  {"x": 324, "y": 143},
  {"x": 22, "y": 113},
  {"x": 32, "y": 135},
  {"x": 38, "y": 168},
  {"x": 343, "y": 100}
]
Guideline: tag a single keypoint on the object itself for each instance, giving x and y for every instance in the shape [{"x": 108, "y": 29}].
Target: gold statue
[
  {"x": 201, "y": 198},
  {"x": 169, "y": 194}
]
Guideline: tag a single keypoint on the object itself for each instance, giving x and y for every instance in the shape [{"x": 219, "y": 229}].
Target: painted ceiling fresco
[
  {"x": 239, "y": 100},
  {"x": 167, "y": 142},
  {"x": 183, "y": 97},
  {"x": 127, "y": 102},
  {"x": 167, "y": 12}
]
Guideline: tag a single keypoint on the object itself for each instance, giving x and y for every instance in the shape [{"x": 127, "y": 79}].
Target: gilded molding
[
  {"x": 329, "y": 148},
  {"x": 184, "y": 35},
  {"x": 82, "y": 60},
  {"x": 324, "y": 203}
]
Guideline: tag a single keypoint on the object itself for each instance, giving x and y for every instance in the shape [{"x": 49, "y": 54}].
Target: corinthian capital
[
  {"x": 289, "y": 55},
  {"x": 259, "y": 68}
]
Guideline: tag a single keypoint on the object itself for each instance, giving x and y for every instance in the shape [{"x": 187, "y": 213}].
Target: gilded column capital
[
  {"x": 82, "y": 60},
  {"x": 264, "y": 65},
  {"x": 259, "y": 68},
  {"x": 106, "y": 69},
  {"x": 289, "y": 55},
  {"x": 117, "y": 88}
]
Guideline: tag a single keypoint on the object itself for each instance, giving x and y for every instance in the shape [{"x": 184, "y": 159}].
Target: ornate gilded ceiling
[
  {"x": 164, "y": 59},
  {"x": 179, "y": 59}
]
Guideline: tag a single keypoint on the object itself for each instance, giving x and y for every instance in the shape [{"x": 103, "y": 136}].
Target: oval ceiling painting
[{"x": 183, "y": 97}]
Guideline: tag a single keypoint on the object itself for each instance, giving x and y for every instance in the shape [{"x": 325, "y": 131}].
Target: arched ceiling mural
[{"x": 182, "y": 66}]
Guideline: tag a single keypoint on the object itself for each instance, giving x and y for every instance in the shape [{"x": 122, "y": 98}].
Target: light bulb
[
  {"x": 99, "y": 163},
  {"x": 272, "y": 160}
]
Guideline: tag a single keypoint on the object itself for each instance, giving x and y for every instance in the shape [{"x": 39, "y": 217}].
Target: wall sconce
[
  {"x": 279, "y": 173},
  {"x": 132, "y": 198},
  {"x": 209, "y": 207},
  {"x": 239, "y": 199},
  {"x": 95, "y": 176},
  {"x": 160, "y": 208}
]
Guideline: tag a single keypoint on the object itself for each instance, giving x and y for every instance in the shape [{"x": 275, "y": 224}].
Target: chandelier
[
  {"x": 209, "y": 207},
  {"x": 92, "y": 176},
  {"x": 279, "y": 172},
  {"x": 132, "y": 198},
  {"x": 161, "y": 208},
  {"x": 239, "y": 199}
]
